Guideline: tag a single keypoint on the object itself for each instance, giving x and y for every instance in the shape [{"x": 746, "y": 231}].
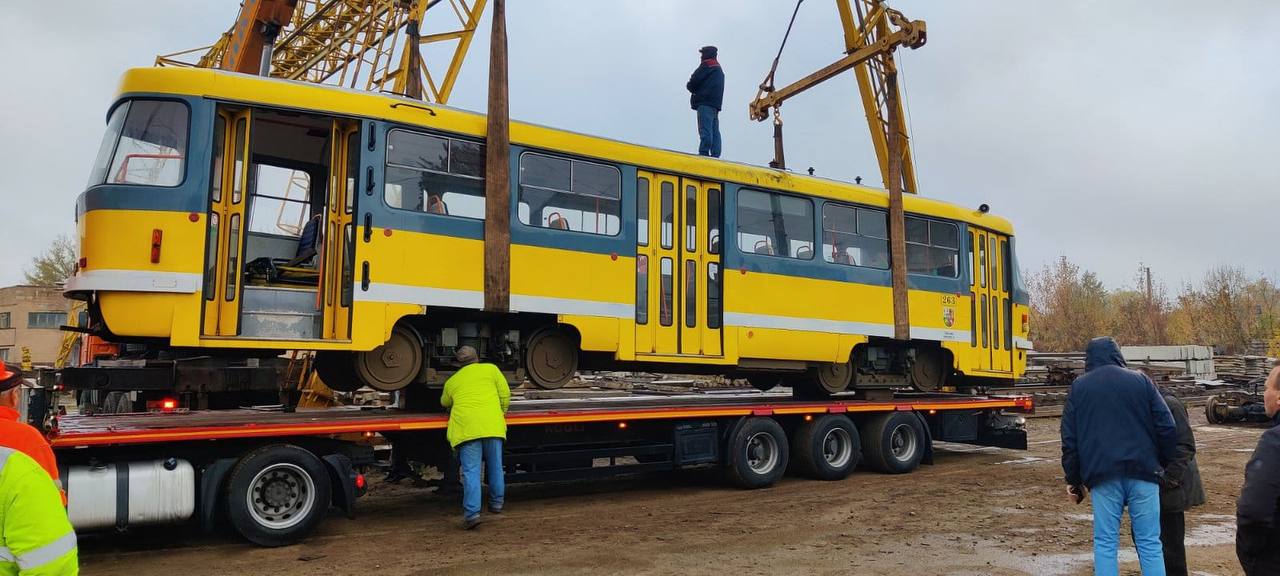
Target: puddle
[
  {"x": 1024, "y": 460},
  {"x": 1061, "y": 564},
  {"x": 1222, "y": 531}
]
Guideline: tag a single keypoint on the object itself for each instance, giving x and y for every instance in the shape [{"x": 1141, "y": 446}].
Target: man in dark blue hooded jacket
[
  {"x": 1117, "y": 436},
  {"x": 706, "y": 94}
]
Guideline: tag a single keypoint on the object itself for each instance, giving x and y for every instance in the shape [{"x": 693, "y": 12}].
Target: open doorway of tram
[{"x": 280, "y": 247}]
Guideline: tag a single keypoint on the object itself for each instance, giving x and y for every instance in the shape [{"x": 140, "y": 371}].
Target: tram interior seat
[
  {"x": 299, "y": 270},
  {"x": 436, "y": 205}
]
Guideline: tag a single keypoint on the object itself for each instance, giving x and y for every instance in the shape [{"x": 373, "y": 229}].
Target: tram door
[
  {"x": 339, "y": 236},
  {"x": 992, "y": 307},
  {"x": 678, "y": 266},
  {"x": 227, "y": 224}
]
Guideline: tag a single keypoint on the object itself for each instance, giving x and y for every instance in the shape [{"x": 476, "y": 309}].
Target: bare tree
[
  {"x": 1068, "y": 305},
  {"x": 1220, "y": 311},
  {"x": 55, "y": 265},
  {"x": 1140, "y": 315}
]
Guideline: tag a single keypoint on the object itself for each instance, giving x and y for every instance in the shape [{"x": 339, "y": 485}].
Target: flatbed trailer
[{"x": 275, "y": 474}]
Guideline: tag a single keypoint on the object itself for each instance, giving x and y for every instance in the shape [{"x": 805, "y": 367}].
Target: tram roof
[{"x": 338, "y": 101}]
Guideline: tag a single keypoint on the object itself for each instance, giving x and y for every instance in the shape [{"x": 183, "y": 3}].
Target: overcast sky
[{"x": 1112, "y": 132}]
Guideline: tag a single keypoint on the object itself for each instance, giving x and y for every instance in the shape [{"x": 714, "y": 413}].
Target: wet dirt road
[{"x": 975, "y": 511}]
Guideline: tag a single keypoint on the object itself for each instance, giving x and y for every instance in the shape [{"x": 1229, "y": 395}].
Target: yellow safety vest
[
  {"x": 477, "y": 397},
  {"x": 36, "y": 538}
]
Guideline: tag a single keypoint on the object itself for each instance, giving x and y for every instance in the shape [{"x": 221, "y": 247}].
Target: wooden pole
[
  {"x": 897, "y": 221},
  {"x": 413, "y": 66},
  {"x": 497, "y": 173}
]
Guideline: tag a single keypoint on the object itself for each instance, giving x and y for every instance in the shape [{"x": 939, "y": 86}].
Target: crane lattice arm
[
  {"x": 373, "y": 45},
  {"x": 872, "y": 31}
]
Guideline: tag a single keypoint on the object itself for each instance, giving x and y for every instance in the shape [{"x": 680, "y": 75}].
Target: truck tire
[
  {"x": 827, "y": 448},
  {"x": 757, "y": 453},
  {"x": 893, "y": 443},
  {"x": 277, "y": 494}
]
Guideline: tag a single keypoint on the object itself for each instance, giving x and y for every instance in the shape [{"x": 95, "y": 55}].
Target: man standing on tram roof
[{"x": 706, "y": 89}]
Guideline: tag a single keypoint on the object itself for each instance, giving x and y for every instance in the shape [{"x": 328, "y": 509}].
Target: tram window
[
  {"x": 434, "y": 174},
  {"x": 574, "y": 195},
  {"x": 145, "y": 144},
  {"x": 668, "y": 208},
  {"x": 282, "y": 201},
  {"x": 713, "y": 295},
  {"x": 691, "y": 218},
  {"x": 690, "y": 293},
  {"x": 642, "y": 289},
  {"x": 854, "y": 236},
  {"x": 933, "y": 247},
  {"x": 666, "y": 300},
  {"x": 713, "y": 221},
  {"x": 775, "y": 224},
  {"x": 642, "y": 211},
  {"x": 211, "y": 258},
  {"x": 1008, "y": 266}
]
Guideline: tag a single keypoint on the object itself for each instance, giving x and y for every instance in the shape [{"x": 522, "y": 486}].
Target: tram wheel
[
  {"x": 929, "y": 370},
  {"x": 393, "y": 365},
  {"x": 337, "y": 371},
  {"x": 834, "y": 378},
  {"x": 551, "y": 357}
]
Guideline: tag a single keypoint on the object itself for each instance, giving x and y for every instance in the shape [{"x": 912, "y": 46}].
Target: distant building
[{"x": 30, "y": 317}]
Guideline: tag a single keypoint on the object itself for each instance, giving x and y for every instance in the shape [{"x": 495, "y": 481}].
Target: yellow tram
[{"x": 227, "y": 211}]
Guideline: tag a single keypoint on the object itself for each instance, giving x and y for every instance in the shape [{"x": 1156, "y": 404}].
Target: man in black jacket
[
  {"x": 706, "y": 89},
  {"x": 1117, "y": 434},
  {"x": 1258, "y": 510},
  {"x": 1180, "y": 489}
]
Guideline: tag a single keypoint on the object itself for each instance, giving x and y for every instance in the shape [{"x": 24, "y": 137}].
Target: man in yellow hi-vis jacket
[
  {"x": 35, "y": 537},
  {"x": 477, "y": 397}
]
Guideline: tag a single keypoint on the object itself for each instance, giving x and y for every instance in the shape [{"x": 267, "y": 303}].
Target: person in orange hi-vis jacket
[{"x": 19, "y": 435}]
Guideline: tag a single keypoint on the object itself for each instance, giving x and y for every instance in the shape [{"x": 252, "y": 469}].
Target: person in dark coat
[
  {"x": 706, "y": 89},
  {"x": 1258, "y": 509},
  {"x": 1180, "y": 489},
  {"x": 1117, "y": 436}
]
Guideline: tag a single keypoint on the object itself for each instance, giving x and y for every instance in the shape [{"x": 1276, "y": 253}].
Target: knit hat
[{"x": 466, "y": 355}]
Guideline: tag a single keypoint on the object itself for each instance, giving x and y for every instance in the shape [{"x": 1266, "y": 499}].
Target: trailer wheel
[
  {"x": 827, "y": 448},
  {"x": 277, "y": 494},
  {"x": 758, "y": 453},
  {"x": 893, "y": 443}
]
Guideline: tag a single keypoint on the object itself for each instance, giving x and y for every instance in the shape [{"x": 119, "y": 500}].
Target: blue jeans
[
  {"x": 1109, "y": 501},
  {"x": 469, "y": 454},
  {"x": 708, "y": 131}
]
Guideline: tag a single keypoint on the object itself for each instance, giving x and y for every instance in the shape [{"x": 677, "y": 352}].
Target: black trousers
[{"x": 1173, "y": 528}]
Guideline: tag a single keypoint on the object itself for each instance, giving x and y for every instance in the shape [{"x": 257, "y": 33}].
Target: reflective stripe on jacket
[
  {"x": 477, "y": 397},
  {"x": 35, "y": 539}
]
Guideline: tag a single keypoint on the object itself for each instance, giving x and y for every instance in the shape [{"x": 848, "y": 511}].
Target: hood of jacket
[{"x": 1102, "y": 352}]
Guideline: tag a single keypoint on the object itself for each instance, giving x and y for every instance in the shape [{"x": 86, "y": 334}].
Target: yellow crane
[
  {"x": 373, "y": 45},
  {"x": 872, "y": 32}
]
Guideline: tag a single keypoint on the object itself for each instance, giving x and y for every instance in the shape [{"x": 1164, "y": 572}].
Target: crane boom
[
  {"x": 374, "y": 45},
  {"x": 872, "y": 31}
]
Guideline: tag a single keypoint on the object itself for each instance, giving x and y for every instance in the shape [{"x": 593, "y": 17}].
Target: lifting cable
[{"x": 767, "y": 85}]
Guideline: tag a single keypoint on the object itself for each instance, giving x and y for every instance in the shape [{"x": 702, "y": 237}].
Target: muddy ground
[{"x": 975, "y": 511}]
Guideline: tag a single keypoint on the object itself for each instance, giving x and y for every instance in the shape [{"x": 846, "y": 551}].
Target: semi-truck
[{"x": 274, "y": 474}]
